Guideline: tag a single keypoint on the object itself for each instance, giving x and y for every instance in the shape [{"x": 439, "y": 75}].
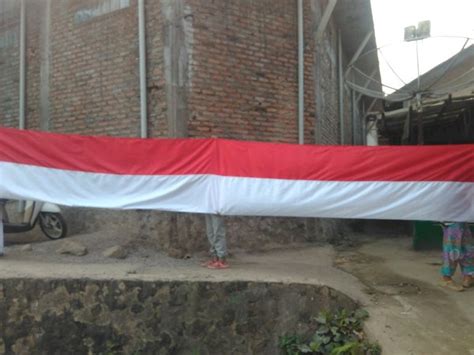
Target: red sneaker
[{"x": 219, "y": 264}]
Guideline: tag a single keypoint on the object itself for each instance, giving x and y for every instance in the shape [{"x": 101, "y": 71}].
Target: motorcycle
[{"x": 47, "y": 215}]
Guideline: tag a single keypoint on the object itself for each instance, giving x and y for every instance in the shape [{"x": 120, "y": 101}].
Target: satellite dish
[{"x": 411, "y": 68}]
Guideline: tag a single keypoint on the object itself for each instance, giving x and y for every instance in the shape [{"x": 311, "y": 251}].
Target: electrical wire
[{"x": 393, "y": 70}]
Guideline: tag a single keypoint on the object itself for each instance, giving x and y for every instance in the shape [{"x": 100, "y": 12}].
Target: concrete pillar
[
  {"x": 178, "y": 42},
  {"x": 177, "y": 55}
]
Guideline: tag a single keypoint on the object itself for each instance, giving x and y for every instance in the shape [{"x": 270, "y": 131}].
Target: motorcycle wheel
[{"x": 53, "y": 225}]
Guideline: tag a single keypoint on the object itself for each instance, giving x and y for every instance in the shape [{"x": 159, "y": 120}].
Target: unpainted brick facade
[
  {"x": 239, "y": 79},
  {"x": 214, "y": 68},
  {"x": 9, "y": 60}
]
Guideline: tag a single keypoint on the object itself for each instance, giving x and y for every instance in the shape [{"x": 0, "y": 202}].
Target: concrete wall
[
  {"x": 180, "y": 234},
  {"x": 223, "y": 68},
  {"x": 163, "y": 317}
]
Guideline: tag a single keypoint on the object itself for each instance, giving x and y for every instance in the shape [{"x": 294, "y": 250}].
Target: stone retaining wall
[{"x": 41, "y": 316}]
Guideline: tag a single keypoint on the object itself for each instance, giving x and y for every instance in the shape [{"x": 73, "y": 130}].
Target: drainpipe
[
  {"x": 142, "y": 59},
  {"x": 22, "y": 84},
  {"x": 300, "y": 74},
  {"x": 21, "y": 110},
  {"x": 355, "y": 139},
  {"x": 341, "y": 87},
  {"x": 364, "y": 124}
]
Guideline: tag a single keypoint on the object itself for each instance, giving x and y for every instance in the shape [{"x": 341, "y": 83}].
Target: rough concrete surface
[{"x": 410, "y": 313}]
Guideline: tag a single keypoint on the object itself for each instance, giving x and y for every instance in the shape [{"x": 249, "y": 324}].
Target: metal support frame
[
  {"x": 325, "y": 19},
  {"x": 363, "y": 129},
  {"x": 359, "y": 50},
  {"x": 353, "y": 117},
  {"x": 366, "y": 85},
  {"x": 372, "y": 104}
]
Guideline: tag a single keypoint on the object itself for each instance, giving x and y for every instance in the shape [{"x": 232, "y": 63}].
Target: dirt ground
[{"x": 410, "y": 313}]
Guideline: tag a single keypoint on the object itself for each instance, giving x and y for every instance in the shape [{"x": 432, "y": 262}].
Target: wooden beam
[
  {"x": 420, "y": 137},
  {"x": 407, "y": 128}
]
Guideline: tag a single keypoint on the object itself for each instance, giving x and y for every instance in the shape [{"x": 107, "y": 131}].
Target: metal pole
[
  {"x": 341, "y": 87},
  {"x": 419, "y": 120},
  {"x": 353, "y": 117},
  {"x": 364, "y": 125},
  {"x": 359, "y": 50},
  {"x": 372, "y": 104},
  {"x": 142, "y": 54},
  {"x": 418, "y": 65},
  {"x": 21, "y": 111},
  {"x": 300, "y": 74}
]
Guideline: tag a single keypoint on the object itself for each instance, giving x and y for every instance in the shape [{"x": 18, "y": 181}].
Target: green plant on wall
[{"x": 337, "y": 333}]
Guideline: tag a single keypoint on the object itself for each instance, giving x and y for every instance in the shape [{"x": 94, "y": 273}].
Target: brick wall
[
  {"x": 9, "y": 62},
  {"x": 241, "y": 79},
  {"x": 94, "y": 87},
  {"x": 244, "y": 82},
  {"x": 223, "y": 68}
]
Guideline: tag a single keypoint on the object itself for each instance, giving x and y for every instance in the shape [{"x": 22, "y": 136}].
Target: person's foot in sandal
[{"x": 450, "y": 284}]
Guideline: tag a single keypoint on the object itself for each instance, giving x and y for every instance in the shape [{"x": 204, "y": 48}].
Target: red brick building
[{"x": 213, "y": 67}]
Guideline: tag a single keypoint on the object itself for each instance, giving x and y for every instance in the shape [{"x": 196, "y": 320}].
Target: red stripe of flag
[{"x": 237, "y": 158}]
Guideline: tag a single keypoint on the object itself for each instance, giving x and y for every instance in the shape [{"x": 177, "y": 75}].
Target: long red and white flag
[{"x": 239, "y": 178}]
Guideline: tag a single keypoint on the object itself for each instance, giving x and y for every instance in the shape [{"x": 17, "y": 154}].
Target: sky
[{"x": 448, "y": 18}]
